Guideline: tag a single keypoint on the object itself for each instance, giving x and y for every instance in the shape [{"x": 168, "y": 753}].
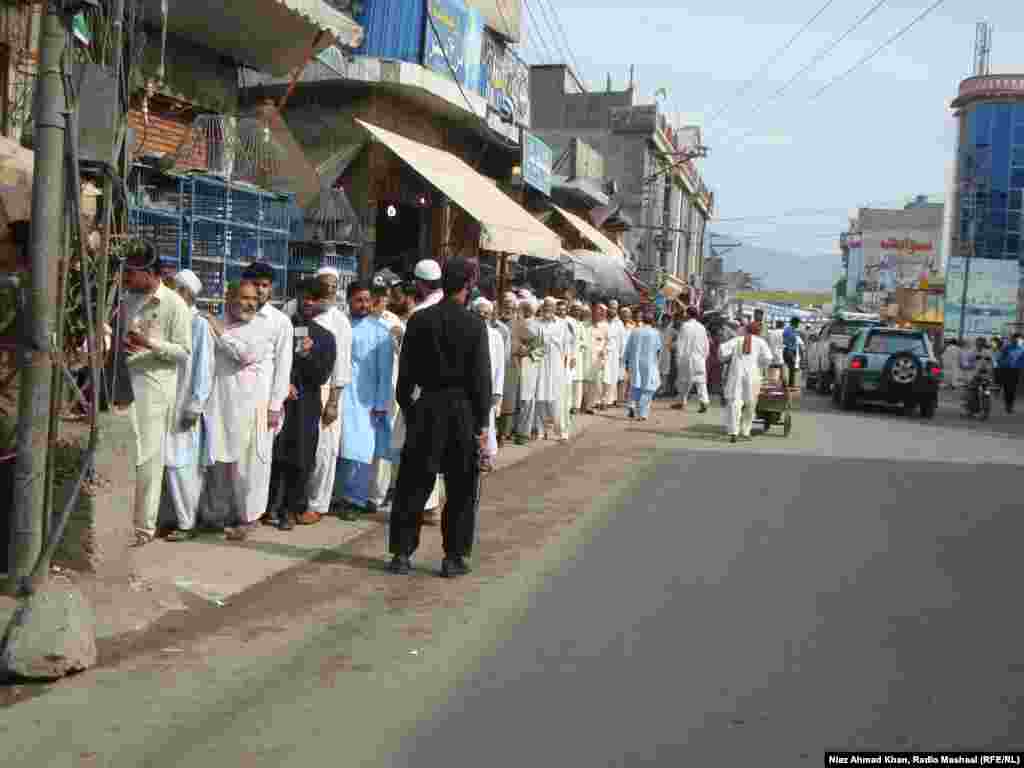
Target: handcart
[{"x": 775, "y": 405}]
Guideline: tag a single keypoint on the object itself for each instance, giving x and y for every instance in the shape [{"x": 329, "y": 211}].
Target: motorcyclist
[{"x": 984, "y": 373}]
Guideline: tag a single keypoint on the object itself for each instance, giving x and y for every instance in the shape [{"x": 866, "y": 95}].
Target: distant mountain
[{"x": 786, "y": 270}]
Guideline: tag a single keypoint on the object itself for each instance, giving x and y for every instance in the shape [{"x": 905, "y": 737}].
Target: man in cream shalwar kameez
[
  {"x": 158, "y": 338},
  {"x": 551, "y": 370},
  {"x": 595, "y": 387},
  {"x": 236, "y": 411},
  {"x": 749, "y": 354},
  {"x": 275, "y": 380},
  {"x": 321, "y": 481},
  {"x": 580, "y": 352},
  {"x": 195, "y": 380},
  {"x": 565, "y": 403},
  {"x": 527, "y": 328},
  {"x": 496, "y": 346}
]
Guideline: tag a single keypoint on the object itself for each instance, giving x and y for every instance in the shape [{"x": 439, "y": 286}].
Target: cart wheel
[{"x": 787, "y": 425}]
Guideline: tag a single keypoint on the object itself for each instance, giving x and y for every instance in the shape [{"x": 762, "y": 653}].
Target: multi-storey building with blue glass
[{"x": 987, "y": 237}]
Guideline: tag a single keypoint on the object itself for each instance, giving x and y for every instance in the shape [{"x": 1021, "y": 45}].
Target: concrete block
[{"x": 52, "y": 634}]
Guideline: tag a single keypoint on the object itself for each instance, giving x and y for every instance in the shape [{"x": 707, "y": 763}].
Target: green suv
[{"x": 892, "y": 366}]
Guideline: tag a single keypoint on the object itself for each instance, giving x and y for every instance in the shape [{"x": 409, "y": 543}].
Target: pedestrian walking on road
[
  {"x": 158, "y": 338},
  {"x": 1011, "y": 360},
  {"x": 643, "y": 353},
  {"x": 691, "y": 351},
  {"x": 446, "y": 355},
  {"x": 747, "y": 355}
]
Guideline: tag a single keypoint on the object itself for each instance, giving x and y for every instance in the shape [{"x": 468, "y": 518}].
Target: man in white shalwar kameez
[
  {"x": 158, "y": 338},
  {"x": 565, "y": 403},
  {"x": 382, "y": 465},
  {"x": 692, "y": 349},
  {"x": 551, "y": 373},
  {"x": 275, "y": 380},
  {"x": 748, "y": 355},
  {"x": 195, "y": 379},
  {"x": 236, "y": 411},
  {"x": 321, "y": 481},
  {"x": 496, "y": 346},
  {"x": 526, "y": 329},
  {"x": 581, "y": 352},
  {"x": 613, "y": 362}
]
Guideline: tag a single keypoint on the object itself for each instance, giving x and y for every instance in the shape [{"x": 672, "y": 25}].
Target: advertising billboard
[
  {"x": 453, "y": 41},
  {"x": 904, "y": 262},
  {"x": 991, "y": 296},
  {"x": 504, "y": 80}
]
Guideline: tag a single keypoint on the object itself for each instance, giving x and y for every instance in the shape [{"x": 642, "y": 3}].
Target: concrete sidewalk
[{"x": 149, "y": 582}]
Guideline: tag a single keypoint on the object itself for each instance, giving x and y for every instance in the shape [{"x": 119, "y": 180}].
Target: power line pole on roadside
[{"x": 36, "y": 320}]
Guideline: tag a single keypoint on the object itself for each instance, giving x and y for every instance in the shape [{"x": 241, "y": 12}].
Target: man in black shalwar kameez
[
  {"x": 295, "y": 446},
  {"x": 445, "y": 354}
]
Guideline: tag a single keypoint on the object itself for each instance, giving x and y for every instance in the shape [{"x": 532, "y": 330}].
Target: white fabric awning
[
  {"x": 273, "y": 35},
  {"x": 592, "y": 233},
  {"x": 506, "y": 225}
]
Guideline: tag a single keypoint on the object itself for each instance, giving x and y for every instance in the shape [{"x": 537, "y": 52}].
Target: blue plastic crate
[
  {"x": 211, "y": 275},
  {"x": 246, "y": 205},
  {"x": 209, "y": 199},
  {"x": 208, "y": 241},
  {"x": 274, "y": 249},
  {"x": 162, "y": 229},
  {"x": 278, "y": 213},
  {"x": 244, "y": 245}
]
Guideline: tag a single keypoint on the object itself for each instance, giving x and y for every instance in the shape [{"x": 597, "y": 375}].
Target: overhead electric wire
[
  {"x": 535, "y": 28},
  {"x": 565, "y": 38},
  {"x": 816, "y": 59},
  {"x": 919, "y": 18},
  {"x": 774, "y": 58}
]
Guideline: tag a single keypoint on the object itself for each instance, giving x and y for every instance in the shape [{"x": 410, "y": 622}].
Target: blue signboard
[
  {"x": 536, "y": 163},
  {"x": 446, "y": 38}
]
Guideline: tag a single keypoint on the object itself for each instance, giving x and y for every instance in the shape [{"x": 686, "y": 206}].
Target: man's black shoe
[
  {"x": 400, "y": 564},
  {"x": 285, "y": 523},
  {"x": 454, "y": 566},
  {"x": 703, "y": 408}
]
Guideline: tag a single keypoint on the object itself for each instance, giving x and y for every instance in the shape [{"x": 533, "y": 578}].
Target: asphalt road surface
[{"x": 650, "y": 596}]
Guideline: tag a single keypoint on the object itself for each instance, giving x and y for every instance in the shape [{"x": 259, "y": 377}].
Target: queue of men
[{"x": 283, "y": 416}]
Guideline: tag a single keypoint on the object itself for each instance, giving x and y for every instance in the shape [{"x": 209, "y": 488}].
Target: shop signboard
[
  {"x": 536, "y": 163},
  {"x": 904, "y": 262},
  {"x": 504, "y": 80},
  {"x": 454, "y": 36},
  {"x": 991, "y": 296}
]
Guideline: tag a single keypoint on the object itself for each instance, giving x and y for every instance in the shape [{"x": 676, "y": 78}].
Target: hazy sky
[{"x": 877, "y": 137}]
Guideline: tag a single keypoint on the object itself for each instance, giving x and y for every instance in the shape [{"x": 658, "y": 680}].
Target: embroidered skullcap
[
  {"x": 190, "y": 280},
  {"x": 328, "y": 271},
  {"x": 427, "y": 269}
]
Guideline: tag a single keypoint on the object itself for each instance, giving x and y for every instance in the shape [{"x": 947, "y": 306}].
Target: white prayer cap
[
  {"x": 328, "y": 271},
  {"x": 613, "y": 303},
  {"x": 427, "y": 269},
  {"x": 550, "y": 301},
  {"x": 190, "y": 280}
]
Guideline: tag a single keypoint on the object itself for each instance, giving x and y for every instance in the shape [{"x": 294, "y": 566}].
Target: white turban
[
  {"x": 190, "y": 280},
  {"x": 328, "y": 271}
]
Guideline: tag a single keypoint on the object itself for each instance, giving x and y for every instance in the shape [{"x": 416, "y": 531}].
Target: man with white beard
[
  {"x": 525, "y": 332},
  {"x": 158, "y": 338},
  {"x": 275, "y": 380},
  {"x": 510, "y": 397},
  {"x": 551, "y": 374},
  {"x": 236, "y": 410},
  {"x": 195, "y": 380},
  {"x": 565, "y": 403}
]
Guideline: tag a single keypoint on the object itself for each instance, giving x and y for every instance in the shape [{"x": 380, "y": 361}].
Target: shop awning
[
  {"x": 591, "y": 233},
  {"x": 272, "y": 35},
  {"x": 506, "y": 225},
  {"x": 605, "y": 274}
]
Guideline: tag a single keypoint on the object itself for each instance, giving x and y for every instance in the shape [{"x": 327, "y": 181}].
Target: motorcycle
[{"x": 978, "y": 398}]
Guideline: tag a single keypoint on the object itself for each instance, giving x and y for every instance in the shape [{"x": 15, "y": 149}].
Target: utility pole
[
  {"x": 972, "y": 230},
  {"x": 37, "y": 317}
]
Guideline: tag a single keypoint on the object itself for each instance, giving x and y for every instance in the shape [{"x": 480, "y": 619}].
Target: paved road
[{"x": 649, "y": 596}]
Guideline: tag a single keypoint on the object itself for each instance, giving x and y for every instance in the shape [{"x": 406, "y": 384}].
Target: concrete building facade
[{"x": 667, "y": 200}]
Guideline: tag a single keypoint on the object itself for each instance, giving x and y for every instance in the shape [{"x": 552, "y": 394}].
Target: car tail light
[
  {"x": 935, "y": 371},
  {"x": 858, "y": 363}
]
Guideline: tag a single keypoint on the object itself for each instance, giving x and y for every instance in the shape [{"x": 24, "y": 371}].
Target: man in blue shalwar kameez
[
  {"x": 642, "y": 353},
  {"x": 367, "y": 433}
]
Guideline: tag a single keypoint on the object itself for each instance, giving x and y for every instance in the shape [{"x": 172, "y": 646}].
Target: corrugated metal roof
[{"x": 394, "y": 29}]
